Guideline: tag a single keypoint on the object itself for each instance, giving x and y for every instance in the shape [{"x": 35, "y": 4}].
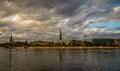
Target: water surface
[{"x": 59, "y": 60}]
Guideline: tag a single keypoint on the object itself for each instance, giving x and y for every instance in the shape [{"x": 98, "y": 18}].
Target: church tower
[
  {"x": 60, "y": 35},
  {"x": 11, "y": 38}
]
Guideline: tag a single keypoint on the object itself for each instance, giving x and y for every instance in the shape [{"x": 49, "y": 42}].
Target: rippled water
[{"x": 59, "y": 60}]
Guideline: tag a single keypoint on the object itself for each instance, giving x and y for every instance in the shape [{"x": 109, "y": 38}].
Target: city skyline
[{"x": 42, "y": 19}]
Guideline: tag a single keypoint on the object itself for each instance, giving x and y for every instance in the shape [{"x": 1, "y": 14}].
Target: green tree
[{"x": 83, "y": 43}]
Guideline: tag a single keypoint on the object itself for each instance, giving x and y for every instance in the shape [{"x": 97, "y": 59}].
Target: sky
[{"x": 42, "y": 19}]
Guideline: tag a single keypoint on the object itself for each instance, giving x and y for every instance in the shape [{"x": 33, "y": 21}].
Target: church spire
[
  {"x": 11, "y": 38},
  {"x": 60, "y": 35}
]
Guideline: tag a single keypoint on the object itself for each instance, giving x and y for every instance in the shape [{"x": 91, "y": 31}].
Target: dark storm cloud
[{"x": 66, "y": 7}]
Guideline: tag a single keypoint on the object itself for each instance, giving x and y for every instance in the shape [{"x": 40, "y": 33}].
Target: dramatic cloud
[
  {"x": 42, "y": 19},
  {"x": 115, "y": 15}
]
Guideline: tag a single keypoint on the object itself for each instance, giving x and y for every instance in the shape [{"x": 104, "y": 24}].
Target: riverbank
[
  {"x": 81, "y": 48},
  {"x": 74, "y": 47}
]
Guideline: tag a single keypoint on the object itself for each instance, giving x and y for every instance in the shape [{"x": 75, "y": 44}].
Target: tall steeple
[
  {"x": 60, "y": 35},
  {"x": 11, "y": 38}
]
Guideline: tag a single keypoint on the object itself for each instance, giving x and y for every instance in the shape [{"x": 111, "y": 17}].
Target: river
[{"x": 59, "y": 60}]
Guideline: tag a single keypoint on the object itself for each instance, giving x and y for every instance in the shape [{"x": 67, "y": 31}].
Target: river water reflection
[{"x": 59, "y": 60}]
